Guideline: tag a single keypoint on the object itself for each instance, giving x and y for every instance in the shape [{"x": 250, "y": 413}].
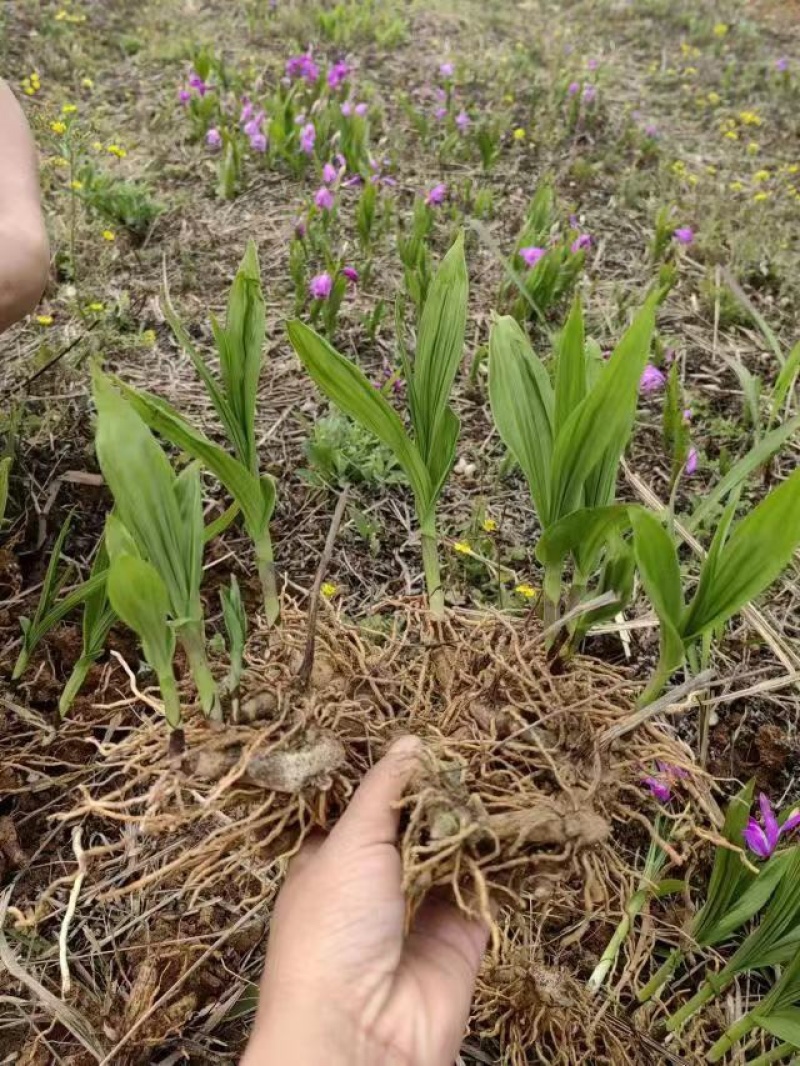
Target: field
[{"x": 500, "y": 216}]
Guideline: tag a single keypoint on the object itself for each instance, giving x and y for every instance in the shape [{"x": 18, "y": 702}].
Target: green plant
[
  {"x": 412, "y": 247},
  {"x": 341, "y": 452},
  {"x": 124, "y": 203},
  {"x": 5, "y": 474},
  {"x": 428, "y": 458},
  {"x": 159, "y": 523},
  {"x": 235, "y": 618},
  {"x": 568, "y": 435},
  {"x": 98, "y": 618},
  {"x": 240, "y": 344},
  {"x": 742, "y": 561}
]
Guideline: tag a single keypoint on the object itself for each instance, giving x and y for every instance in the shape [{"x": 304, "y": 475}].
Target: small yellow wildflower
[
  {"x": 760, "y": 197},
  {"x": 28, "y": 90},
  {"x": 750, "y": 118},
  {"x": 692, "y": 180},
  {"x": 114, "y": 149},
  {"x": 96, "y": 306},
  {"x": 62, "y": 15},
  {"x": 76, "y": 185},
  {"x": 462, "y": 548},
  {"x": 732, "y": 135},
  {"x": 519, "y": 134},
  {"x": 68, "y": 109},
  {"x": 489, "y": 525},
  {"x": 58, "y": 127},
  {"x": 793, "y": 191},
  {"x": 59, "y": 161},
  {"x": 714, "y": 99},
  {"x": 710, "y": 168},
  {"x": 328, "y": 590},
  {"x": 736, "y": 186},
  {"x": 526, "y": 591},
  {"x": 44, "y": 320},
  {"x": 98, "y": 147},
  {"x": 678, "y": 167},
  {"x": 721, "y": 29},
  {"x": 753, "y": 148},
  {"x": 762, "y": 175},
  {"x": 109, "y": 235},
  {"x": 689, "y": 50},
  {"x": 508, "y": 99},
  {"x": 87, "y": 83},
  {"x": 149, "y": 337},
  {"x": 35, "y": 79},
  {"x": 690, "y": 72},
  {"x": 793, "y": 168}
]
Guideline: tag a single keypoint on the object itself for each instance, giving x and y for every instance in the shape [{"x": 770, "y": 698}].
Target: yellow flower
[
  {"x": 29, "y": 90},
  {"x": 793, "y": 168},
  {"x": 692, "y": 179},
  {"x": 59, "y": 161},
  {"x": 720, "y": 29},
  {"x": 76, "y": 185},
  {"x": 149, "y": 337},
  {"x": 35, "y": 79},
  {"x": 96, "y": 306},
  {"x": 678, "y": 167},
  {"x": 753, "y": 148},
  {"x": 762, "y": 175},
  {"x": 690, "y": 71},
  {"x": 114, "y": 149},
  {"x": 44, "y": 320},
  {"x": 68, "y": 109},
  {"x": 508, "y": 99},
  {"x": 61, "y": 16},
  {"x": 489, "y": 525},
  {"x": 109, "y": 235},
  {"x": 462, "y": 548},
  {"x": 526, "y": 591},
  {"x": 87, "y": 83},
  {"x": 519, "y": 134},
  {"x": 732, "y": 135},
  {"x": 750, "y": 118},
  {"x": 714, "y": 99},
  {"x": 97, "y": 146},
  {"x": 736, "y": 186},
  {"x": 760, "y": 197},
  {"x": 58, "y": 127},
  {"x": 328, "y": 590},
  {"x": 710, "y": 168},
  {"x": 792, "y": 190}
]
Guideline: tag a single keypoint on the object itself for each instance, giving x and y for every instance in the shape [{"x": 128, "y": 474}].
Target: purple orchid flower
[
  {"x": 763, "y": 840},
  {"x": 350, "y": 273},
  {"x": 329, "y": 173},
  {"x": 659, "y": 789},
  {"x": 197, "y": 83},
  {"x": 573, "y": 88},
  {"x": 661, "y": 784},
  {"x": 582, "y": 241},
  {"x": 446, "y": 70},
  {"x": 347, "y": 109},
  {"x": 338, "y": 73},
  {"x": 361, "y": 109},
  {"x": 308, "y": 136},
  {"x": 213, "y": 138},
  {"x": 782, "y": 64},
  {"x": 589, "y": 94},
  {"x": 184, "y": 96},
  {"x": 531, "y": 255},
  {"x": 437, "y": 195},
  {"x": 683, "y": 234},
  {"x": 302, "y": 66},
  {"x": 463, "y": 121},
  {"x": 321, "y": 286},
  {"x": 691, "y": 462},
  {"x": 652, "y": 379},
  {"x": 323, "y": 198}
]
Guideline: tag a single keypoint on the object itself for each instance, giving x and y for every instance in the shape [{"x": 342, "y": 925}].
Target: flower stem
[
  {"x": 551, "y": 598},
  {"x": 736, "y": 1033},
  {"x": 193, "y": 641},
  {"x": 266, "y": 575},
  {"x": 661, "y": 976},
  {"x": 782, "y": 1051},
  {"x": 430, "y": 563},
  {"x": 706, "y": 993},
  {"x": 170, "y": 698}
]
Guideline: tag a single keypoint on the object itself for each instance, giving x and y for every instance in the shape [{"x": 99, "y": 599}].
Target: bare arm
[{"x": 24, "y": 249}]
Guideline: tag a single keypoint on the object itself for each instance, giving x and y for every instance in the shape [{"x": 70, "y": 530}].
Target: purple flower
[
  {"x": 687, "y": 414},
  {"x": 350, "y": 273},
  {"x": 589, "y": 94},
  {"x": 683, "y": 234},
  {"x": 447, "y": 70},
  {"x": 347, "y": 109},
  {"x": 258, "y": 142},
  {"x": 302, "y": 66},
  {"x": 197, "y": 83},
  {"x": 661, "y": 785},
  {"x": 440, "y": 113},
  {"x": 329, "y": 173},
  {"x": 247, "y": 111},
  {"x": 321, "y": 286},
  {"x": 361, "y": 109},
  {"x": 184, "y": 96},
  {"x": 651, "y": 130},
  {"x": 691, "y": 461},
  {"x": 763, "y": 840},
  {"x": 652, "y": 379},
  {"x": 437, "y": 195},
  {"x": 253, "y": 123},
  {"x": 531, "y": 255},
  {"x": 353, "y": 182},
  {"x": 300, "y": 229},
  {"x": 592, "y": 64},
  {"x": 463, "y": 121},
  {"x": 583, "y": 240},
  {"x": 213, "y": 138},
  {"x": 573, "y": 88},
  {"x": 337, "y": 74},
  {"x": 659, "y": 789},
  {"x": 308, "y": 136},
  {"x": 324, "y": 198},
  {"x": 782, "y": 64}
]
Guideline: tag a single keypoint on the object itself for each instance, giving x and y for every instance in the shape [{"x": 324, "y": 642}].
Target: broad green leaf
[
  {"x": 444, "y": 455},
  {"x": 758, "y": 549},
  {"x": 570, "y": 377},
  {"x": 783, "y": 1024},
  {"x": 758, "y": 455},
  {"x": 522, "y": 402},
  {"x": 190, "y": 505},
  {"x": 729, "y": 875},
  {"x": 721, "y": 534},
  {"x": 5, "y": 471},
  {"x": 605, "y": 417},
  {"x": 440, "y": 348},
  {"x": 98, "y": 618},
  {"x": 255, "y": 496},
  {"x": 581, "y": 534},
  {"x": 657, "y": 560},
  {"x": 785, "y": 382},
  {"x": 752, "y": 900},
  {"x": 142, "y": 483},
  {"x": 347, "y": 387},
  {"x": 141, "y": 599}
]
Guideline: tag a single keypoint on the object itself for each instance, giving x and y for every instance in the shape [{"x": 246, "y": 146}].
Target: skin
[
  {"x": 24, "y": 249},
  {"x": 344, "y": 985}
]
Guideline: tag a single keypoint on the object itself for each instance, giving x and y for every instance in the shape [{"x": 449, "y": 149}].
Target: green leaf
[
  {"x": 758, "y": 549},
  {"x": 658, "y": 565},
  {"x": 729, "y": 875},
  {"x": 752, "y": 900},
  {"x": 5, "y": 471},
  {"x": 45, "y": 617},
  {"x": 190, "y": 504},
  {"x": 522, "y": 402},
  {"x": 440, "y": 348},
  {"x": 141, "y": 599},
  {"x": 758, "y": 455},
  {"x": 347, "y": 387},
  {"x": 785, "y": 382},
  {"x": 570, "y": 379},
  {"x": 582, "y": 534},
  {"x": 784, "y": 1024},
  {"x": 721, "y": 534},
  {"x": 750, "y": 385},
  {"x": 605, "y": 417}
]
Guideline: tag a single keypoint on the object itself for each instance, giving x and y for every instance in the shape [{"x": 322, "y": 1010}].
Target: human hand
[{"x": 343, "y": 984}]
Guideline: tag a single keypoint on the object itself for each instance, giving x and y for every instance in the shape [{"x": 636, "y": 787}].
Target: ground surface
[{"x": 689, "y": 111}]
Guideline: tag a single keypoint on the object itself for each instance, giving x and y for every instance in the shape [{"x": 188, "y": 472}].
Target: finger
[
  {"x": 372, "y": 817},
  {"x": 443, "y": 953}
]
